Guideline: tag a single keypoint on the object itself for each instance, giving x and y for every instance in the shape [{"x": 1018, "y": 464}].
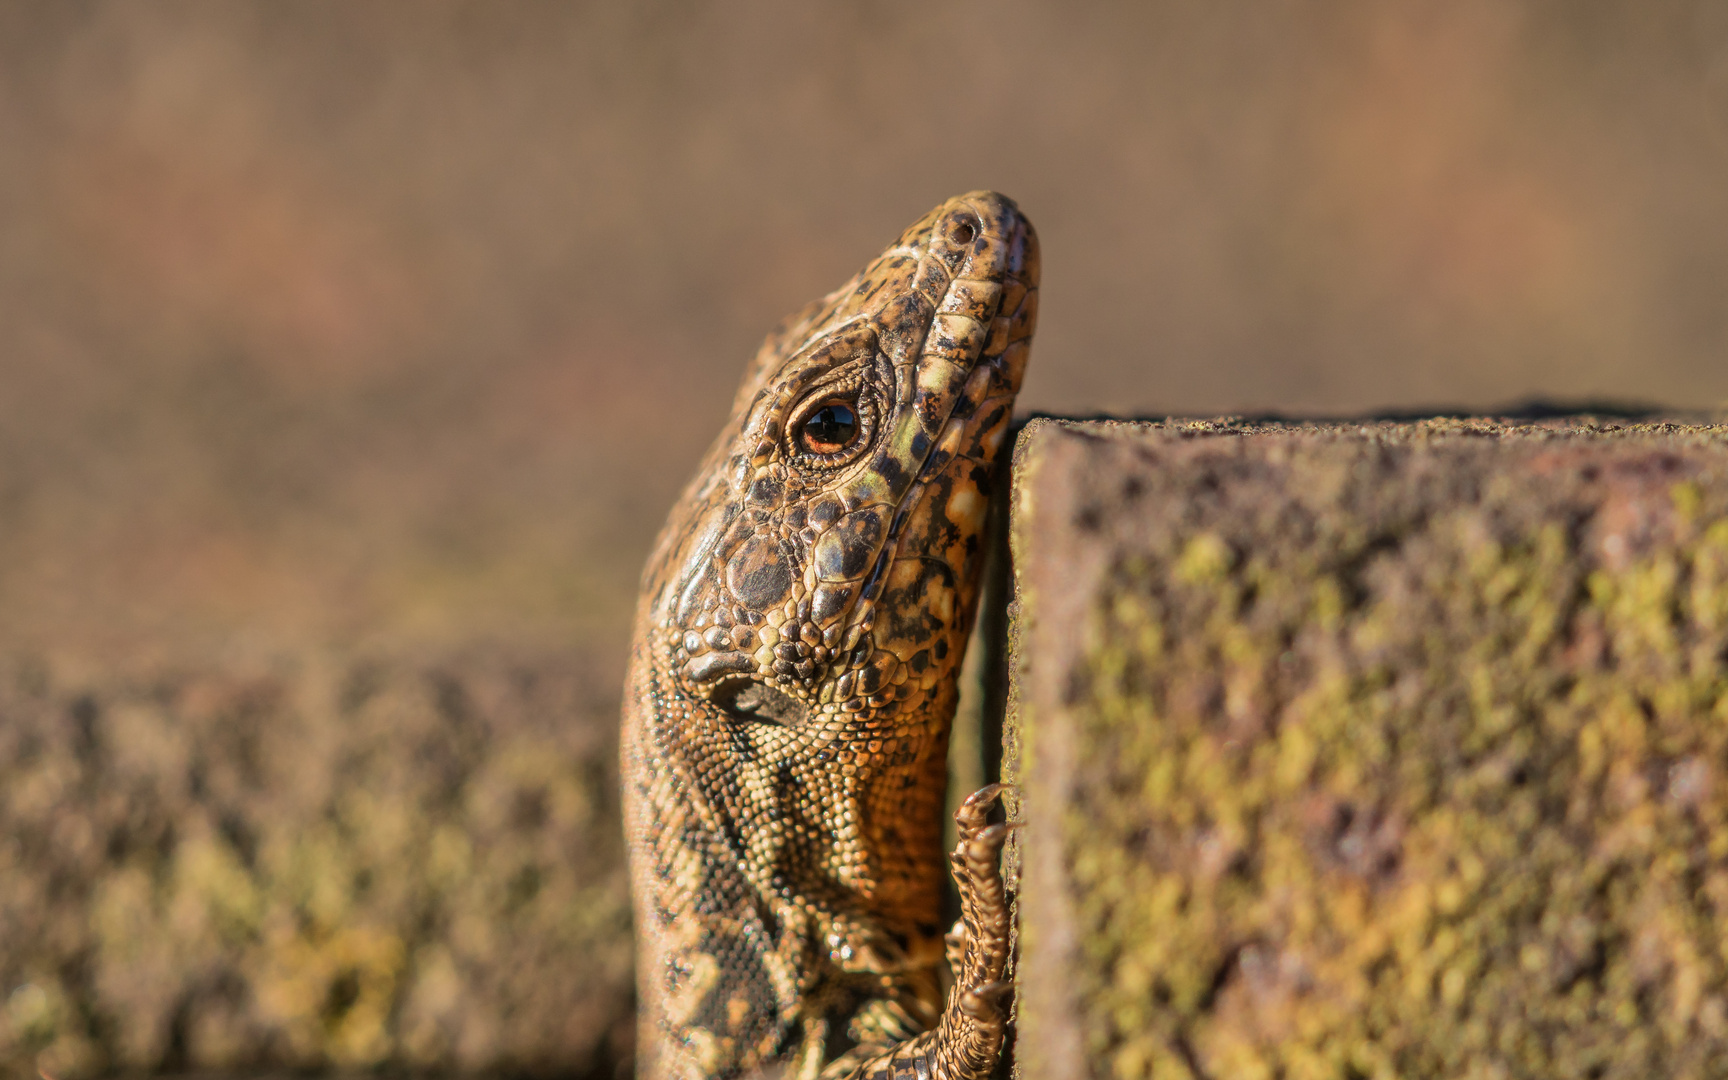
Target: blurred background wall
[
  {"x": 323, "y": 319},
  {"x": 391, "y": 330}
]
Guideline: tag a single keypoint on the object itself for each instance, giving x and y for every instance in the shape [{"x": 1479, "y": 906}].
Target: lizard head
[{"x": 824, "y": 562}]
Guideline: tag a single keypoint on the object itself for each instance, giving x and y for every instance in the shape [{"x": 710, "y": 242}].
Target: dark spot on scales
[
  {"x": 892, "y": 474},
  {"x": 845, "y": 551},
  {"x": 764, "y": 492},
  {"x": 920, "y": 445},
  {"x": 829, "y": 601},
  {"x": 824, "y": 513},
  {"x": 759, "y": 574}
]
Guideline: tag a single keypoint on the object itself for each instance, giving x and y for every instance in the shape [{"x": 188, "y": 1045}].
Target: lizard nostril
[{"x": 965, "y": 232}]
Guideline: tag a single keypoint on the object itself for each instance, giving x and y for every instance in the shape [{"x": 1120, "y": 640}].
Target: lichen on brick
[
  {"x": 323, "y": 861},
  {"x": 1382, "y": 752}
]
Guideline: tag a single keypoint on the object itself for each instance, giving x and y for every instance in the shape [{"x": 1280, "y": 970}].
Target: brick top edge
[{"x": 1688, "y": 429}]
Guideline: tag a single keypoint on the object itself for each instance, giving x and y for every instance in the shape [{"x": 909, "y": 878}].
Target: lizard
[{"x": 794, "y": 674}]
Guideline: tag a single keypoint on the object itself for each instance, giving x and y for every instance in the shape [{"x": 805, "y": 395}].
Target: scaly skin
[{"x": 793, "y": 679}]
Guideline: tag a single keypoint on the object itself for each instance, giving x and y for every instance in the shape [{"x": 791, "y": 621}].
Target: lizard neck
[{"x": 774, "y": 863}]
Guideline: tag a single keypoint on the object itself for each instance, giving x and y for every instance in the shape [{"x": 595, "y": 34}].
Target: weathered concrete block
[
  {"x": 404, "y": 863},
  {"x": 1394, "y": 750}
]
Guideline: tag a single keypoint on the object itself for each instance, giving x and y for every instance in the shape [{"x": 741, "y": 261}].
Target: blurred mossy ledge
[
  {"x": 1372, "y": 750},
  {"x": 352, "y": 858}
]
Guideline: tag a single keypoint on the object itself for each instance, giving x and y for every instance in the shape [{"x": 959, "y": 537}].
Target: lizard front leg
[{"x": 968, "y": 1039}]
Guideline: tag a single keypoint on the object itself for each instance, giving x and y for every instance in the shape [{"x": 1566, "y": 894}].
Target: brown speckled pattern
[{"x": 793, "y": 679}]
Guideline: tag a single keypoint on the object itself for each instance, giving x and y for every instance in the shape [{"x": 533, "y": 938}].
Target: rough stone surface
[
  {"x": 338, "y": 863},
  {"x": 1391, "y": 750}
]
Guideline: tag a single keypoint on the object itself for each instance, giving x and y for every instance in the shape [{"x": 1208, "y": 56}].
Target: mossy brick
[
  {"x": 1371, "y": 751},
  {"x": 398, "y": 861}
]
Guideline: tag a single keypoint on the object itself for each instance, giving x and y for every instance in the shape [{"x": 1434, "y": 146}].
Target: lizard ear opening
[{"x": 747, "y": 699}]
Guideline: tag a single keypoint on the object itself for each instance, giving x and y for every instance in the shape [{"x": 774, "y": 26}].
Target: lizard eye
[
  {"x": 832, "y": 426},
  {"x": 829, "y": 428}
]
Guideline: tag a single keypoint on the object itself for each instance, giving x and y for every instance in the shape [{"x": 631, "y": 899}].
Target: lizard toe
[{"x": 973, "y": 813}]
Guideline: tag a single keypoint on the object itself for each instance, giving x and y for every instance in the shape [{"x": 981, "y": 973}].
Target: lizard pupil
[{"x": 830, "y": 428}]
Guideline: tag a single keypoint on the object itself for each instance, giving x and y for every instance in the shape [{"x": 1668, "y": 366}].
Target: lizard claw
[
  {"x": 981, "y": 1003},
  {"x": 987, "y": 794},
  {"x": 974, "y": 810}
]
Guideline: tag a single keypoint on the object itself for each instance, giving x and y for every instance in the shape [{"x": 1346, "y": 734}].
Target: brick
[
  {"x": 1381, "y": 750},
  {"x": 348, "y": 860}
]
